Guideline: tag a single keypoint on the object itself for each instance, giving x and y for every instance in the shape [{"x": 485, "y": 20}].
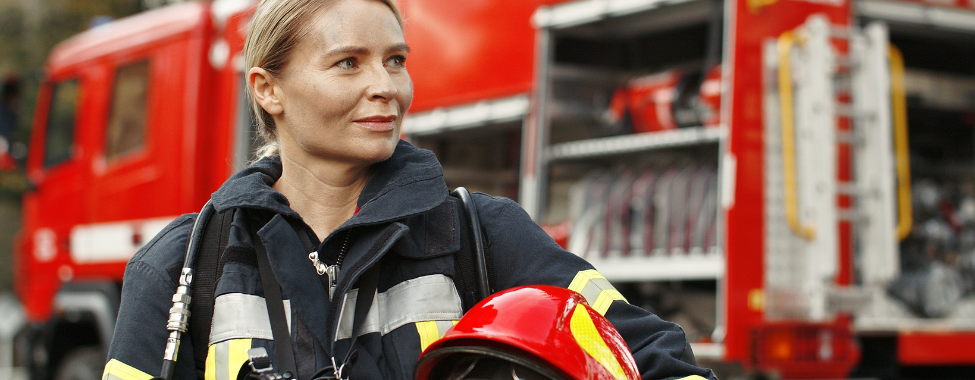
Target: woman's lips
[{"x": 378, "y": 123}]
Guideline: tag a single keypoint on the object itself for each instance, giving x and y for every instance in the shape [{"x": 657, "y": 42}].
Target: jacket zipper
[
  {"x": 332, "y": 271},
  {"x": 358, "y": 268}
]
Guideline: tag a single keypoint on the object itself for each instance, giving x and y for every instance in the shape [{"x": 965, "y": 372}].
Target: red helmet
[{"x": 537, "y": 332}]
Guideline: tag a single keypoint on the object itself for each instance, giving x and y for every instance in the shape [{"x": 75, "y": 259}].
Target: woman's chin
[
  {"x": 360, "y": 152},
  {"x": 373, "y": 153}
]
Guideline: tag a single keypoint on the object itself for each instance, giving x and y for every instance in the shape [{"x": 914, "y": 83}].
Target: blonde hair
[{"x": 275, "y": 30}]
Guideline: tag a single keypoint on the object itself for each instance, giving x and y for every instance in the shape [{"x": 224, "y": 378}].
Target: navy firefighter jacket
[{"x": 408, "y": 225}]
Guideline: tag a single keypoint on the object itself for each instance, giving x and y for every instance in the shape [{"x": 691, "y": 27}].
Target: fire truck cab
[{"x": 137, "y": 121}]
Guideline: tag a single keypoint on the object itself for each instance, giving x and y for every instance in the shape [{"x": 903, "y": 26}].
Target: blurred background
[
  {"x": 793, "y": 182},
  {"x": 28, "y": 31}
]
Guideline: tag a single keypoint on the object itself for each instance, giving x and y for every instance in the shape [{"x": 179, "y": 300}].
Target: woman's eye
[
  {"x": 348, "y": 63},
  {"x": 396, "y": 61}
]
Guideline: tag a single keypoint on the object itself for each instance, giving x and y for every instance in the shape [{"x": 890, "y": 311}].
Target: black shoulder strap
[
  {"x": 215, "y": 237},
  {"x": 368, "y": 284},
  {"x": 276, "y": 314},
  {"x": 473, "y": 267}
]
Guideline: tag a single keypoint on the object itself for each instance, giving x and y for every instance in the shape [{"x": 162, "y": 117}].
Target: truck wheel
[{"x": 82, "y": 363}]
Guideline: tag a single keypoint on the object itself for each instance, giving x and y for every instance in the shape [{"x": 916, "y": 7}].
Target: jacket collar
[{"x": 408, "y": 183}]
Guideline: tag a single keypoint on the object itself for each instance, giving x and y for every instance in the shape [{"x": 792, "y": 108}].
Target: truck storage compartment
[
  {"x": 628, "y": 108},
  {"x": 937, "y": 277}
]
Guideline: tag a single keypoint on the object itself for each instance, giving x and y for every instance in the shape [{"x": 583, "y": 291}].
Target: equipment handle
[
  {"x": 470, "y": 209},
  {"x": 785, "y": 42},
  {"x": 905, "y": 215}
]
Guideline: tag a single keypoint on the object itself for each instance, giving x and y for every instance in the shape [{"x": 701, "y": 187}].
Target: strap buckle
[{"x": 260, "y": 364}]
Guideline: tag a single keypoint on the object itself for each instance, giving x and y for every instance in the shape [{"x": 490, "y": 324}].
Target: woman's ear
[{"x": 266, "y": 91}]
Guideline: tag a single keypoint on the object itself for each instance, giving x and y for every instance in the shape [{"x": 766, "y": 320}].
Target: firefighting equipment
[
  {"x": 533, "y": 332},
  {"x": 668, "y": 100}
]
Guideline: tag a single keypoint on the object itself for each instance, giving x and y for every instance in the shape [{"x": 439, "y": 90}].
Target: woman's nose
[{"x": 381, "y": 85}]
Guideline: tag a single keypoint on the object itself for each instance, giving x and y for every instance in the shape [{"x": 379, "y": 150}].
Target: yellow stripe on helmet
[{"x": 585, "y": 333}]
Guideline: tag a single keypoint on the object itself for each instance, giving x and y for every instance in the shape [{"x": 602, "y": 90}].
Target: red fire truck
[{"x": 790, "y": 180}]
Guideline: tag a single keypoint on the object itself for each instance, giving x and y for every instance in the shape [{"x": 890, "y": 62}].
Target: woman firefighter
[{"x": 339, "y": 206}]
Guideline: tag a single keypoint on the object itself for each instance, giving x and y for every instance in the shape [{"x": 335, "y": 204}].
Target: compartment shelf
[
  {"x": 488, "y": 112},
  {"x": 628, "y": 16},
  {"x": 633, "y": 143},
  {"x": 888, "y": 314},
  {"x": 915, "y": 14},
  {"x": 694, "y": 266}
]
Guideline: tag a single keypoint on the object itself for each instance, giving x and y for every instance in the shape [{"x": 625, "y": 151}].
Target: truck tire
[{"x": 82, "y": 363}]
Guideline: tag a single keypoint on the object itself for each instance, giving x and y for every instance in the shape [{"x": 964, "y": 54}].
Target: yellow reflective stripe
[
  {"x": 237, "y": 356},
  {"x": 428, "y": 333},
  {"x": 606, "y": 298},
  {"x": 224, "y": 359},
  {"x": 597, "y": 290},
  {"x": 211, "y": 364},
  {"x": 116, "y": 370},
  {"x": 585, "y": 333},
  {"x": 582, "y": 278}
]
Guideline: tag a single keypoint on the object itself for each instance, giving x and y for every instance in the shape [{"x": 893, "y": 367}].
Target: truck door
[
  {"x": 58, "y": 175},
  {"x": 125, "y": 166},
  {"x": 139, "y": 177},
  {"x": 141, "y": 154}
]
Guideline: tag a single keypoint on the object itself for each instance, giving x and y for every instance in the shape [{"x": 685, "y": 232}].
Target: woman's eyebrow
[
  {"x": 359, "y": 50},
  {"x": 398, "y": 47},
  {"x": 343, "y": 50}
]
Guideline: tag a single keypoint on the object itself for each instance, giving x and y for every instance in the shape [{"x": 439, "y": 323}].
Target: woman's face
[{"x": 345, "y": 88}]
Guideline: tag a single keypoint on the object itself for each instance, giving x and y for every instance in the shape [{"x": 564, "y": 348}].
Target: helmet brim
[{"x": 429, "y": 368}]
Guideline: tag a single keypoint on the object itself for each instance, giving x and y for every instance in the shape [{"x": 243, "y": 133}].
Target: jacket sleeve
[
  {"x": 148, "y": 286},
  {"x": 523, "y": 254}
]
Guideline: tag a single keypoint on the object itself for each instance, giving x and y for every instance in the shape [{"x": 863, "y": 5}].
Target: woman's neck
[{"x": 325, "y": 194}]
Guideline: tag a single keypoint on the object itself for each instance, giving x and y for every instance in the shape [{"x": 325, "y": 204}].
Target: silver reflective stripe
[
  {"x": 222, "y": 360},
  {"x": 428, "y": 298},
  {"x": 239, "y": 316},
  {"x": 594, "y": 288},
  {"x": 443, "y": 326}
]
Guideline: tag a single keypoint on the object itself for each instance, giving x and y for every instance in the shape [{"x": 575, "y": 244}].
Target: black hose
[{"x": 179, "y": 315}]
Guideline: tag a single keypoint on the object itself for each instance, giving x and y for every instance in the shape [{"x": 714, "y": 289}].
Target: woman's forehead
[{"x": 354, "y": 22}]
